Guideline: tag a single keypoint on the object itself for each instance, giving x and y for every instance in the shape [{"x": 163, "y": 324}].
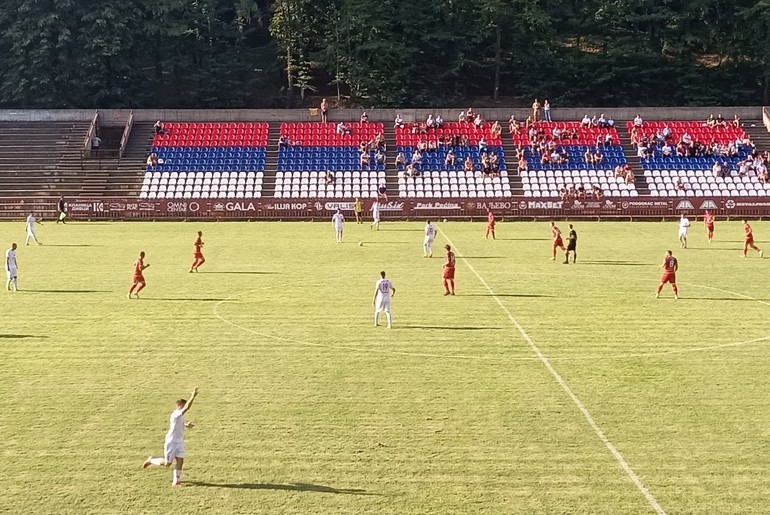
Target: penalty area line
[{"x": 564, "y": 386}]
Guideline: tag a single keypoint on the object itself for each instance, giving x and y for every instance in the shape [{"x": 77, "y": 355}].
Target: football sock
[
  {"x": 177, "y": 475},
  {"x": 660, "y": 288},
  {"x": 389, "y": 317},
  {"x": 15, "y": 283},
  {"x": 376, "y": 318},
  {"x": 676, "y": 290},
  {"x": 446, "y": 286},
  {"x": 157, "y": 461}
]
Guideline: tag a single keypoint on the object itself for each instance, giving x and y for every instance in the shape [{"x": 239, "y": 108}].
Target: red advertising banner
[{"x": 285, "y": 209}]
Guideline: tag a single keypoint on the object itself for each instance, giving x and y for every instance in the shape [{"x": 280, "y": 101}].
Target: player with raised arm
[
  {"x": 708, "y": 221},
  {"x": 684, "y": 225},
  {"x": 670, "y": 266},
  {"x": 557, "y": 241},
  {"x": 11, "y": 269},
  {"x": 31, "y": 221},
  {"x": 490, "y": 225},
  {"x": 383, "y": 291},
  {"x": 449, "y": 271},
  {"x": 571, "y": 245},
  {"x": 198, "y": 258},
  {"x": 173, "y": 446},
  {"x": 749, "y": 239},
  {"x": 375, "y": 216},
  {"x": 338, "y": 222},
  {"x": 427, "y": 242},
  {"x": 138, "y": 283}
]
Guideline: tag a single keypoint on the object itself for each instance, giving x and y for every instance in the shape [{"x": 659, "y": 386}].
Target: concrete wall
[{"x": 119, "y": 116}]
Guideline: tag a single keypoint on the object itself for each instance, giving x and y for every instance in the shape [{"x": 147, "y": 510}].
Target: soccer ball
[{"x": 360, "y": 243}]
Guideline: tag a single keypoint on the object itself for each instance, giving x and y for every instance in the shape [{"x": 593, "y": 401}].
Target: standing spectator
[
  {"x": 96, "y": 142},
  {"x": 535, "y": 110},
  {"x": 461, "y": 117},
  {"x": 547, "y": 111},
  {"x": 364, "y": 117},
  {"x": 158, "y": 128},
  {"x": 439, "y": 122},
  {"x": 496, "y": 130},
  {"x": 324, "y": 111},
  {"x": 430, "y": 122},
  {"x": 736, "y": 122}
]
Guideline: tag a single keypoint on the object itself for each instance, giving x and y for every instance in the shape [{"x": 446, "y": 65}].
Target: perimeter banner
[{"x": 279, "y": 209}]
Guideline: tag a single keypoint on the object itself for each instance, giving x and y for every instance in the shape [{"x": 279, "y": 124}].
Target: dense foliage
[{"x": 263, "y": 53}]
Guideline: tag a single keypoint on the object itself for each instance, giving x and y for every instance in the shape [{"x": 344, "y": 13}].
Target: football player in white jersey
[
  {"x": 11, "y": 268},
  {"x": 427, "y": 243},
  {"x": 338, "y": 222},
  {"x": 376, "y": 216},
  {"x": 383, "y": 291},
  {"x": 31, "y": 221},
  {"x": 173, "y": 447},
  {"x": 684, "y": 224}
]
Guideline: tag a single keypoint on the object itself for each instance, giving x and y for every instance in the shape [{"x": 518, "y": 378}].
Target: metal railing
[
  {"x": 126, "y": 134},
  {"x": 766, "y": 118},
  {"x": 91, "y": 131}
]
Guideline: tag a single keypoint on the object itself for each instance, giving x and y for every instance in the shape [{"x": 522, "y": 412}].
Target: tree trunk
[
  {"x": 289, "y": 79},
  {"x": 498, "y": 52}
]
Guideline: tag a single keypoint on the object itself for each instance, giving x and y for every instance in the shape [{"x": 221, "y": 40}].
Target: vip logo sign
[
  {"x": 437, "y": 205},
  {"x": 334, "y": 206},
  {"x": 522, "y": 205},
  {"x": 708, "y": 204},
  {"x": 240, "y": 206},
  {"x": 684, "y": 205},
  {"x": 176, "y": 207},
  {"x": 286, "y": 206},
  {"x": 545, "y": 204}
]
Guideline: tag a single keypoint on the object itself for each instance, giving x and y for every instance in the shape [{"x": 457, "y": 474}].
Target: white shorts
[
  {"x": 173, "y": 450},
  {"x": 11, "y": 273},
  {"x": 382, "y": 305},
  {"x": 683, "y": 233},
  {"x": 338, "y": 228},
  {"x": 30, "y": 232},
  {"x": 428, "y": 241}
]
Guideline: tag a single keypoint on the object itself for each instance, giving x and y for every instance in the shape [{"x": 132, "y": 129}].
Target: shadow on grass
[
  {"x": 523, "y": 239},
  {"x": 289, "y": 487},
  {"x": 482, "y": 257},
  {"x": 243, "y": 273},
  {"x": 613, "y": 263},
  {"x": 19, "y": 336},
  {"x": 521, "y": 295},
  {"x": 721, "y": 299},
  {"x": 73, "y": 245},
  {"x": 67, "y": 291},
  {"x": 450, "y": 328},
  {"x": 189, "y": 299}
]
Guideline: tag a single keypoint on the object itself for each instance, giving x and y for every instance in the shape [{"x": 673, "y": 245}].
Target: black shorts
[{"x": 572, "y": 245}]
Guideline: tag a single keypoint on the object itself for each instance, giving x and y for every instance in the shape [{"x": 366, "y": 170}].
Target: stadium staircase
[
  {"x": 125, "y": 176},
  {"x": 633, "y": 159},
  {"x": 42, "y": 158},
  {"x": 514, "y": 179},
  {"x": 271, "y": 160},
  {"x": 391, "y": 171},
  {"x": 758, "y": 133}
]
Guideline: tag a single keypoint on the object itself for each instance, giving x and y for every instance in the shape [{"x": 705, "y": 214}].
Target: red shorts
[
  {"x": 710, "y": 228},
  {"x": 449, "y": 272},
  {"x": 558, "y": 243},
  {"x": 138, "y": 278},
  {"x": 668, "y": 277},
  {"x": 198, "y": 255},
  {"x": 749, "y": 241},
  {"x": 491, "y": 226}
]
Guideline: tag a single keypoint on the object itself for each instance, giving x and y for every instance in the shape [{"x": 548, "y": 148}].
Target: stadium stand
[
  {"x": 346, "y": 184},
  {"x": 207, "y": 160},
  {"x": 692, "y": 159}
]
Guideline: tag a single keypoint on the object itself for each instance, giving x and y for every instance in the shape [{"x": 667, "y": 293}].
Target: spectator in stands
[
  {"x": 400, "y": 159},
  {"x": 513, "y": 125},
  {"x": 736, "y": 122},
  {"x": 464, "y": 141},
  {"x": 398, "y": 123},
  {"x": 638, "y": 121},
  {"x": 535, "y": 111},
  {"x": 680, "y": 186},
  {"x": 382, "y": 192},
  {"x": 152, "y": 159},
  {"x": 572, "y": 134},
  {"x": 364, "y": 159},
  {"x": 711, "y": 122},
  {"x": 598, "y": 157},
  {"x": 596, "y": 191},
  {"x": 410, "y": 171},
  {"x": 496, "y": 130},
  {"x": 283, "y": 141},
  {"x": 379, "y": 157},
  {"x": 686, "y": 139},
  {"x": 379, "y": 141},
  {"x": 364, "y": 117},
  {"x": 630, "y": 177},
  {"x": 667, "y": 150},
  {"x": 482, "y": 144},
  {"x": 96, "y": 142},
  {"x": 470, "y": 116},
  {"x": 667, "y": 133},
  {"x": 556, "y": 133},
  {"x": 720, "y": 121},
  {"x": 585, "y": 122},
  {"x": 419, "y": 128},
  {"x": 547, "y": 111},
  {"x": 159, "y": 128},
  {"x": 439, "y": 121},
  {"x": 432, "y": 146},
  {"x": 523, "y": 165},
  {"x": 594, "y": 121},
  {"x": 343, "y": 128},
  {"x": 478, "y": 121},
  {"x": 529, "y": 123},
  {"x": 588, "y": 157},
  {"x": 417, "y": 157},
  {"x": 545, "y": 158},
  {"x": 564, "y": 194},
  {"x": 556, "y": 157},
  {"x": 461, "y": 118},
  {"x": 620, "y": 171},
  {"x": 760, "y": 168},
  {"x": 563, "y": 156},
  {"x": 581, "y": 192},
  {"x": 330, "y": 179},
  {"x": 324, "y": 111},
  {"x": 608, "y": 140},
  {"x": 716, "y": 169},
  {"x": 602, "y": 122},
  {"x": 468, "y": 164},
  {"x": 430, "y": 122},
  {"x": 450, "y": 159}
]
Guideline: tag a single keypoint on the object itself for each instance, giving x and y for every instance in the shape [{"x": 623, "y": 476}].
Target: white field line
[{"x": 559, "y": 379}]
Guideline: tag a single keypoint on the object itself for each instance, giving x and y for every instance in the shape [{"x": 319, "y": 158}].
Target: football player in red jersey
[
  {"x": 138, "y": 282},
  {"x": 670, "y": 266},
  {"x": 198, "y": 258},
  {"x": 449, "y": 271},
  {"x": 749, "y": 240},
  {"x": 490, "y": 225},
  {"x": 708, "y": 221},
  {"x": 557, "y": 241}
]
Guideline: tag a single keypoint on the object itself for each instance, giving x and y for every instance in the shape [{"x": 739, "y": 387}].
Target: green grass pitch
[{"x": 307, "y": 408}]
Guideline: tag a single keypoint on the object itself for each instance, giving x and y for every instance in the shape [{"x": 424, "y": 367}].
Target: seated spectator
[
  {"x": 422, "y": 146},
  {"x": 468, "y": 164},
  {"x": 686, "y": 139},
  {"x": 610, "y": 123},
  {"x": 513, "y": 125},
  {"x": 400, "y": 159},
  {"x": 736, "y": 122},
  {"x": 478, "y": 121},
  {"x": 563, "y": 156},
  {"x": 379, "y": 141},
  {"x": 762, "y": 173},
  {"x": 470, "y": 116},
  {"x": 581, "y": 192},
  {"x": 588, "y": 157},
  {"x": 450, "y": 159},
  {"x": 608, "y": 140},
  {"x": 667, "y": 132},
  {"x": 630, "y": 177},
  {"x": 159, "y": 128},
  {"x": 283, "y": 141},
  {"x": 382, "y": 192},
  {"x": 398, "y": 122},
  {"x": 716, "y": 169},
  {"x": 364, "y": 117},
  {"x": 430, "y": 122},
  {"x": 596, "y": 191},
  {"x": 638, "y": 121},
  {"x": 598, "y": 157},
  {"x": 667, "y": 150},
  {"x": 432, "y": 145},
  {"x": 482, "y": 144},
  {"x": 363, "y": 147},
  {"x": 523, "y": 165},
  {"x": 602, "y": 122},
  {"x": 680, "y": 184},
  {"x": 660, "y": 139},
  {"x": 411, "y": 171},
  {"x": 545, "y": 158},
  {"x": 379, "y": 157},
  {"x": 461, "y": 118},
  {"x": 330, "y": 179},
  {"x": 464, "y": 141},
  {"x": 96, "y": 142},
  {"x": 343, "y": 128},
  {"x": 720, "y": 121},
  {"x": 594, "y": 121},
  {"x": 620, "y": 171},
  {"x": 564, "y": 194},
  {"x": 585, "y": 122},
  {"x": 529, "y": 123},
  {"x": 417, "y": 157},
  {"x": 711, "y": 122},
  {"x": 556, "y": 133},
  {"x": 635, "y": 139},
  {"x": 496, "y": 130},
  {"x": 152, "y": 159}
]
